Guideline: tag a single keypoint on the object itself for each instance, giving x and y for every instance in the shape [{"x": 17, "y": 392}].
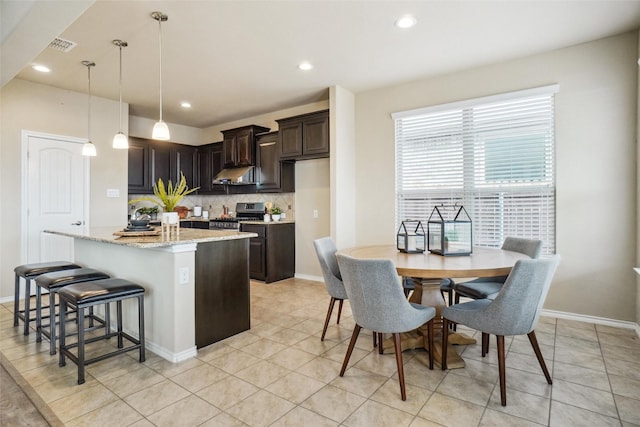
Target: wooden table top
[{"x": 483, "y": 262}]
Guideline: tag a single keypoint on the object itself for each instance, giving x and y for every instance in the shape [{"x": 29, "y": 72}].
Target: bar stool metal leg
[{"x": 16, "y": 301}]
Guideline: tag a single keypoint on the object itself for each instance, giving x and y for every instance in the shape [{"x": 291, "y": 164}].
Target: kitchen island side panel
[
  {"x": 222, "y": 298},
  {"x": 169, "y": 304}
]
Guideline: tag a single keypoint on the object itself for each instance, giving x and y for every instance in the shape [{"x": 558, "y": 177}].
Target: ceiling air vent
[{"x": 62, "y": 44}]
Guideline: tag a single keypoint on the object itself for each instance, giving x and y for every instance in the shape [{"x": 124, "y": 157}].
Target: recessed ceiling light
[
  {"x": 185, "y": 104},
  {"x": 305, "y": 66},
  {"x": 406, "y": 21},
  {"x": 41, "y": 68}
]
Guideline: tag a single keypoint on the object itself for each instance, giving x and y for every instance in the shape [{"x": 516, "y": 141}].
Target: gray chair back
[
  {"x": 516, "y": 309},
  {"x": 530, "y": 247},
  {"x": 376, "y": 296},
  {"x": 326, "y": 251}
]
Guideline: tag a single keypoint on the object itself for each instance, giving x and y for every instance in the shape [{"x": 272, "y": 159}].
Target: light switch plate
[{"x": 113, "y": 192}]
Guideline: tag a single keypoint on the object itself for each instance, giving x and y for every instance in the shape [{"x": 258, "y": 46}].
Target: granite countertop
[{"x": 187, "y": 236}]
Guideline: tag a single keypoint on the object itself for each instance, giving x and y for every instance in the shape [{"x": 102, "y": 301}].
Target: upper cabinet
[
  {"x": 139, "y": 166},
  {"x": 238, "y": 147},
  {"x": 272, "y": 175},
  {"x": 305, "y": 136},
  {"x": 210, "y": 163},
  {"x": 150, "y": 160}
]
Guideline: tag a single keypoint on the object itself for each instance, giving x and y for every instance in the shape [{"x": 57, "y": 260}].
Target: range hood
[{"x": 233, "y": 175}]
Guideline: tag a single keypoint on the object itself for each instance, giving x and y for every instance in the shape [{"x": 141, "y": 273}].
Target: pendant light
[
  {"x": 160, "y": 129},
  {"x": 88, "y": 149},
  {"x": 120, "y": 140}
]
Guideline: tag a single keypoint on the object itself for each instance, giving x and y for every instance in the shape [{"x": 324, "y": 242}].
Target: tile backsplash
[{"x": 215, "y": 204}]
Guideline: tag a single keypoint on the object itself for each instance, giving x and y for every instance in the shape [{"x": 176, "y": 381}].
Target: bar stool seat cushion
[
  {"x": 58, "y": 279},
  {"x": 98, "y": 290},
  {"x": 31, "y": 270}
]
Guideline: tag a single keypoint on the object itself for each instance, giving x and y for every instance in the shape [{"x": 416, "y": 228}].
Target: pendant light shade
[
  {"x": 160, "y": 129},
  {"x": 120, "y": 140},
  {"x": 88, "y": 149}
]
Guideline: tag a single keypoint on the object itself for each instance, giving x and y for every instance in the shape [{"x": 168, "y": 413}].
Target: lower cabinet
[
  {"x": 222, "y": 305},
  {"x": 195, "y": 224},
  {"x": 272, "y": 255}
]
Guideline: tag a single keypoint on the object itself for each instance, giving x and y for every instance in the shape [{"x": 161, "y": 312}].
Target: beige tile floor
[{"x": 279, "y": 373}]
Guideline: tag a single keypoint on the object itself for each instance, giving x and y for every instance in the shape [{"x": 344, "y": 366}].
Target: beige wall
[
  {"x": 40, "y": 108},
  {"x": 141, "y": 127},
  {"x": 638, "y": 193},
  {"x": 312, "y": 193},
  {"x": 596, "y": 128}
]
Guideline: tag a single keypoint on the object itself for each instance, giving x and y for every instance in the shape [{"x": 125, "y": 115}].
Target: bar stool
[
  {"x": 28, "y": 272},
  {"x": 53, "y": 282},
  {"x": 88, "y": 294}
]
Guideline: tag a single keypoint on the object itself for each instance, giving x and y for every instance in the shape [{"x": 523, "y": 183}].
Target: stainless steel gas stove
[{"x": 244, "y": 212}]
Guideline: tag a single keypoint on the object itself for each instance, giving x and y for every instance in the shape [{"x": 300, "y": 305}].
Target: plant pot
[{"x": 275, "y": 217}]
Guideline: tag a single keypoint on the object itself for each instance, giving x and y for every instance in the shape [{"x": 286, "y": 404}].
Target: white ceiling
[{"x": 235, "y": 59}]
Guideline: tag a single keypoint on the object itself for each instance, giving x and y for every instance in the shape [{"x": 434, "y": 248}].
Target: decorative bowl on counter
[
  {"x": 141, "y": 222},
  {"x": 182, "y": 211}
]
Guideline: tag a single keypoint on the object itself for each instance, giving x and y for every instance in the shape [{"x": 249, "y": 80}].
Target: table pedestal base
[{"x": 427, "y": 292}]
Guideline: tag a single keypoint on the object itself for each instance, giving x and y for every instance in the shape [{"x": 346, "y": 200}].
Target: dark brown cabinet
[
  {"x": 305, "y": 136},
  {"x": 272, "y": 255},
  {"x": 238, "y": 147},
  {"x": 210, "y": 163},
  {"x": 272, "y": 175},
  {"x": 222, "y": 298},
  {"x": 150, "y": 160},
  {"x": 139, "y": 166}
]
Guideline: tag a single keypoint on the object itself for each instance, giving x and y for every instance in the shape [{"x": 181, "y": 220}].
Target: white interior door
[{"x": 56, "y": 195}]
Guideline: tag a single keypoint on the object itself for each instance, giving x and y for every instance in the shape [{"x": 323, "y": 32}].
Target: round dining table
[{"x": 430, "y": 269}]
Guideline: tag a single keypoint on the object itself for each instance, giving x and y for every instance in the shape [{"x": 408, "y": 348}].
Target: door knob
[{"x": 77, "y": 223}]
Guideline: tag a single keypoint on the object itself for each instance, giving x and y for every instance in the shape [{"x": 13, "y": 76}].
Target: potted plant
[
  {"x": 168, "y": 197},
  {"x": 152, "y": 211},
  {"x": 275, "y": 213}
]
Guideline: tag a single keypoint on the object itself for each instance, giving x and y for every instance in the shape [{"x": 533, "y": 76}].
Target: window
[{"x": 493, "y": 155}]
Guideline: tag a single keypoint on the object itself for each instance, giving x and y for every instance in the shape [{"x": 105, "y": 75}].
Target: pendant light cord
[
  {"x": 89, "y": 102},
  {"x": 160, "y": 40},
  {"x": 120, "y": 88}
]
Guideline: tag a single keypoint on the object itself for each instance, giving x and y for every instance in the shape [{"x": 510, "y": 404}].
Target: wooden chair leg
[
  {"x": 485, "y": 344},
  {"x": 352, "y": 343},
  {"x": 398, "y": 348},
  {"x": 375, "y": 339},
  {"x": 326, "y": 321},
  {"x": 534, "y": 343},
  {"x": 445, "y": 339},
  {"x": 380, "y": 346},
  {"x": 430, "y": 338},
  {"x": 340, "y": 310},
  {"x": 502, "y": 370}
]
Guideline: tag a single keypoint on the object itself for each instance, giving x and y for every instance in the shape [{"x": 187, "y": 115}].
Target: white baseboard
[
  {"x": 171, "y": 357},
  {"x": 309, "y": 277},
  {"x": 592, "y": 319}
]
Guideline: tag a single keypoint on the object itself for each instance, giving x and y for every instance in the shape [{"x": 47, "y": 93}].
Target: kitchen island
[{"x": 197, "y": 283}]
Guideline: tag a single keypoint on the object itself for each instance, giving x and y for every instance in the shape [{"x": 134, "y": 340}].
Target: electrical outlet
[
  {"x": 184, "y": 275},
  {"x": 315, "y": 213}
]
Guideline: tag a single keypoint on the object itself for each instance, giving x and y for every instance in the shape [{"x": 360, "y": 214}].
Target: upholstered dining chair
[
  {"x": 514, "y": 311},
  {"x": 378, "y": 303},
  {"x": 326, "y": 251},
  {"x": 488, "y": 287}
]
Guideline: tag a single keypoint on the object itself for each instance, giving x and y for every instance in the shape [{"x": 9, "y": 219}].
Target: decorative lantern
[
  {"x": 411, "y": 237},
  {"x": 449, "y": 236}
]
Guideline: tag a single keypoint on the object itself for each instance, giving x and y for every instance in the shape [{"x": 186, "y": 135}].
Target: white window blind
[{"x": 494, "y": 156}]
